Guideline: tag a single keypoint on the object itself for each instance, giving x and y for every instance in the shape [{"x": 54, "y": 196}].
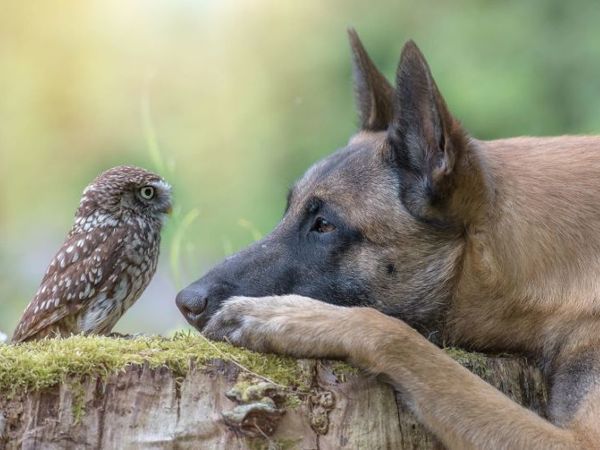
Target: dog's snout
[{"x": 192, "y": 302}]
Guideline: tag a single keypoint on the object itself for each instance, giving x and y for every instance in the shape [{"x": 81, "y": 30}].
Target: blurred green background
[{"x": 231, "y": 100}]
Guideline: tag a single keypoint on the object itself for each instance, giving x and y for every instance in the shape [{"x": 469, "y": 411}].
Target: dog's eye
[{"x": 322, "y": 226}]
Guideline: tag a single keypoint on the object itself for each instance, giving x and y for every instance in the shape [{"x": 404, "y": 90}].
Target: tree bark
[{"x": 217, "y": 406}]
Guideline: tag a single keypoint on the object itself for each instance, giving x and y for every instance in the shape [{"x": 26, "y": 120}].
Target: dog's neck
[{"x": 533, "y": 250}]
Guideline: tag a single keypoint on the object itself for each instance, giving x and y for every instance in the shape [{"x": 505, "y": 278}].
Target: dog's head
[{"x": 378, "y": 223}]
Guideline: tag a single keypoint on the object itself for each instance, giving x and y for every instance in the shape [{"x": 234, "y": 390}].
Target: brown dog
[{"x": 415, "y": 225}]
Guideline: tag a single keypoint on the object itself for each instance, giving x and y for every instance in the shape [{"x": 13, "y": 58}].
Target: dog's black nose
[{"x": 192, "y": 302}]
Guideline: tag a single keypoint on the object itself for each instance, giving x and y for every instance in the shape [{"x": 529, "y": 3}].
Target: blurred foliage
[{"x": 231, "y": 100}]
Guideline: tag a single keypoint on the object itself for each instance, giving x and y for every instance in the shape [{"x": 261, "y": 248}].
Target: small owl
[{"x": 107, "y": 259}]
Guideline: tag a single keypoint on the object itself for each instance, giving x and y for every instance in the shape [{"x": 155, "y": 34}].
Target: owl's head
[{"x": 125, "y": 190}]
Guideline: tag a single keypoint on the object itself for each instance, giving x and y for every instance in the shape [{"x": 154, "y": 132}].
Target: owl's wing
[{"x": 75, "y": 275}]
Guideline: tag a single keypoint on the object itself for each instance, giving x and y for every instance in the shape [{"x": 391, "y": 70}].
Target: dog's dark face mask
[
  {"x": 345, "y": 239},
  {"x": 368, "y": 225}
]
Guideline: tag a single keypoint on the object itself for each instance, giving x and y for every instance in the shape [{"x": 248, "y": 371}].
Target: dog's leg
[{"x": 457, "y": 406}]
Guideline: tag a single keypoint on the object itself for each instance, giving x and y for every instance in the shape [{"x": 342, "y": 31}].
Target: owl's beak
[{"x": 166, "y": 207}]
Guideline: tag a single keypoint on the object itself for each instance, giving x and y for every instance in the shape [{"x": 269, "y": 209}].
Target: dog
[{"x": 413, "y": 228}]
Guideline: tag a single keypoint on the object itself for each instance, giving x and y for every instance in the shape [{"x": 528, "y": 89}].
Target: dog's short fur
[{"x": 415, "y": 225}]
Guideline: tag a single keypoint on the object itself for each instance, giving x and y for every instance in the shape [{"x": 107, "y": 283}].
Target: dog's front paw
[
  {"x": 241, "y": 321},
  {"x": 291, "y": 324}
]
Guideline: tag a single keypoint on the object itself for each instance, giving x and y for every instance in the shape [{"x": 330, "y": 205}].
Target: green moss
[
  {"x": 475, "y": 362},
  {"x": 342, "y": 370},
  {"x": 78, "y": 405},
  {"x": 293, "y": 401},
  {"x": 272, "y": 444},
  {"x": 45, "y": 363}
]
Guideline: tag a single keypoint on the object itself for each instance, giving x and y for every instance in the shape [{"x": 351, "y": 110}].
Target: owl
[{"x": 107, "y": 259}]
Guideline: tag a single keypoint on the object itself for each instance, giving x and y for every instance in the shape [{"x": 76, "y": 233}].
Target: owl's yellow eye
[{"x": 147, "y": 192}]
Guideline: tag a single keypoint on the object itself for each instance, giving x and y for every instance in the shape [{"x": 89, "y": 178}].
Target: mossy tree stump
[{"x": 186, "y": 392}]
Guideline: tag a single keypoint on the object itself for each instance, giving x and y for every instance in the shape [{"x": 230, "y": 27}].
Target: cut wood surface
[{"x": 212, "y": 403}]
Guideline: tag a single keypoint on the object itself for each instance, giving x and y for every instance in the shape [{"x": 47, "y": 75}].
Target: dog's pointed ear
[
  {"x": 374, "y": 94},
  {"x": 426, "y": 140}
]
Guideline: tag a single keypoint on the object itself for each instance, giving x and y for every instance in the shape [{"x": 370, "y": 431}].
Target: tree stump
[{"x": 188, "y": 393}]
